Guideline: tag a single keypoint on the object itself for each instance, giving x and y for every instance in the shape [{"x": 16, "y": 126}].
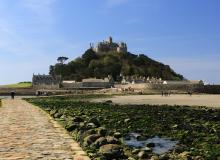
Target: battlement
[{"x": 109, "y": 45}]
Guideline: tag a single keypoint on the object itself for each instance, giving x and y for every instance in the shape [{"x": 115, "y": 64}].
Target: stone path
[{"x": 28, "y": 133}]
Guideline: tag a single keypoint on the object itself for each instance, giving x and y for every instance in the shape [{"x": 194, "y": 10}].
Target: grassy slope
[{"x": 17, "y": 85}]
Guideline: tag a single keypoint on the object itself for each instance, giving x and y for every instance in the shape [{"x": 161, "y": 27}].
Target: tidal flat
[{"x": 103, "y": 128}]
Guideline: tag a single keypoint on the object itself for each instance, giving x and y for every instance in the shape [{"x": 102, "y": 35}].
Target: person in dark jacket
[{"x": 12, "y": 95}]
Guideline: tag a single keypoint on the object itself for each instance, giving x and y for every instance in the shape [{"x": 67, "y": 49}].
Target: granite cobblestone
[{"x": 28, "y": 133}]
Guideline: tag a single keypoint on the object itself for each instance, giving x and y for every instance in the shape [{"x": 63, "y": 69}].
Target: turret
[{"x": 110, "y": 40}]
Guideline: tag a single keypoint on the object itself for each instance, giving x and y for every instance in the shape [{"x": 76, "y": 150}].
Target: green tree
[{"x": 62, "y": 59}]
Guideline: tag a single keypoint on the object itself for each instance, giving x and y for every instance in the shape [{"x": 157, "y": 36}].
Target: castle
[{"x": 109, "y": 45}]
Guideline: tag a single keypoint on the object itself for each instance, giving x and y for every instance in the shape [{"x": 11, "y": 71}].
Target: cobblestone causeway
[{"x": 28, "y": 133}]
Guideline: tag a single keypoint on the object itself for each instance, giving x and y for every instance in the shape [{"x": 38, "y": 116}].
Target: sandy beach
[{"x": 194, "y": 100}]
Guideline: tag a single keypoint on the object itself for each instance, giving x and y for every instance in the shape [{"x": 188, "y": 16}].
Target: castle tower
[{"x": 110, "y": 40}]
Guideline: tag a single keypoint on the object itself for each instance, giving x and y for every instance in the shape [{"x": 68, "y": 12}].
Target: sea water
[{"x": 162, "y": 145}]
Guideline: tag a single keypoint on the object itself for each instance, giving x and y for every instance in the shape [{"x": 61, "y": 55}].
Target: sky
[{"x": 184, "y": 34}]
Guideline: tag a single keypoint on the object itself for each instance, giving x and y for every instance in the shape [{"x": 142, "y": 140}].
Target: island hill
[
  {"x": 110, "y": 65},
  {"x": 108, "y": 58}
]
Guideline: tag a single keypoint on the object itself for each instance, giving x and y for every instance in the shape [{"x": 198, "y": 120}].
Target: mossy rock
[
  {"x": 102, "y": 131},
  {"x": 57, "y": 115},
  {"x": 100, "y": 142},
  {"x": 111, "y": 151},
  {"x": 78, "y": 119},
  {"x": 71, "y": 126},
  {"x": 113, "y": 140},
  {"x": 90, "y": 139}
]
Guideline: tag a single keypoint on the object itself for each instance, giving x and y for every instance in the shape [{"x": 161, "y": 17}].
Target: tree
[
  {"x": 89, "y": 55},
  {"x": 51, "y": 70},
  {"x": 61, "y": 60}
]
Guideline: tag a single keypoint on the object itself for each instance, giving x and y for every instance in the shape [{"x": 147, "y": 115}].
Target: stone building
[
  {"x": 109, "y": 45},
  {"x": 46, "y": 82},
  {"x": 97, "y": 83},
  {"x": 89, "y": 83}
]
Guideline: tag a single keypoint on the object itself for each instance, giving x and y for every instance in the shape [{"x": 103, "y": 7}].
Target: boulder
[
  {"x": 91, "y": 126},
  {"x": 154, "y": 158},
  {"x": 135, "y": 151},
  {"x": 63, "y": 117},
  {"x": 112, "y": 140},
  {"x": 52, "y": 112},
  {"x": 102, "y": 131},
  {"x": 71, "y": 126},
  {"x": 47, "y": 109},
  {"x": 89, "y": 132},
  {"x": 94, "y": 121},
  {"x": 142, "y": 155},
  {"x": 185, "y": 155},
  {"x": 78, "y": 119},
  {"x": 91, "y": 139},
  {"x": 57, "y": 115},
  {"x": 100, "y": 142},
  {"x": 117, "y": 135},
  {"x": 131, "y": 158},
  {"x": 198, "y": 158},
  {"x": 164, "y": 157},
  {"x": 147, "y": 149},
  {"x": 111, "y": 151}
]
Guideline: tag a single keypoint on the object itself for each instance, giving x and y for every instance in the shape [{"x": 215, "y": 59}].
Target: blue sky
[{"x": 182, "y": 33}]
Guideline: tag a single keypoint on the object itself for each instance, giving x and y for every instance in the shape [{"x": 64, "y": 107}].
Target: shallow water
[{"x": 162, "y": 145}]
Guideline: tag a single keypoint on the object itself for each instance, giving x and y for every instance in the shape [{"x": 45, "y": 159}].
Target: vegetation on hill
[
  {"x": 101, "y": 65},
  {"x": 18, "y": 85}
]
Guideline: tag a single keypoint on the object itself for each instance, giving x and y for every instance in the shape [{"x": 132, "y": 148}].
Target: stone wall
[
  {"x": 86, "y": 85},
  {"x": 18, "y": 91},
  {"x": 72, "y": 85},
  {"x": 96, "y": 84},
  {"x": 47, "y": 86},
  {"x": 140, "y": 86},
  {"x": 209, "y": 89}
]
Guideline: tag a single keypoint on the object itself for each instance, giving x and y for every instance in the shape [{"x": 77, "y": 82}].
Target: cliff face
[{"x": 102, "y": 64}]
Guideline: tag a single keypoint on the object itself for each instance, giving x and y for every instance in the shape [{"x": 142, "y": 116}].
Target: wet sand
[{"x": 194, "y": 100}]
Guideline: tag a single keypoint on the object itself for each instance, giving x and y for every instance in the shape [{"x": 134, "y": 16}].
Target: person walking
[{"x": 12, "y": 94}]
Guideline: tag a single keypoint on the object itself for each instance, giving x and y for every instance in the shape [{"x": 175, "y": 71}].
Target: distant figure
[
  {"x": 190, "y": 93},
  {"x": 162, "y": 93},
  {"x": 169, "y": 93},
  {"x": 38, "y": 93},
  {"x": 12, "y": 95}
]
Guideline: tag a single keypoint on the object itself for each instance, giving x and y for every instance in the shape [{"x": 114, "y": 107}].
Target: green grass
[
  {"x": 196, "y": 128},
  {"x": 18, "y": 85}
]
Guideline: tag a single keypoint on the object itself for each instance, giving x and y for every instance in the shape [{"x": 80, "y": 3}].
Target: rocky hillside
[{"x": 101, "y": 65}]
